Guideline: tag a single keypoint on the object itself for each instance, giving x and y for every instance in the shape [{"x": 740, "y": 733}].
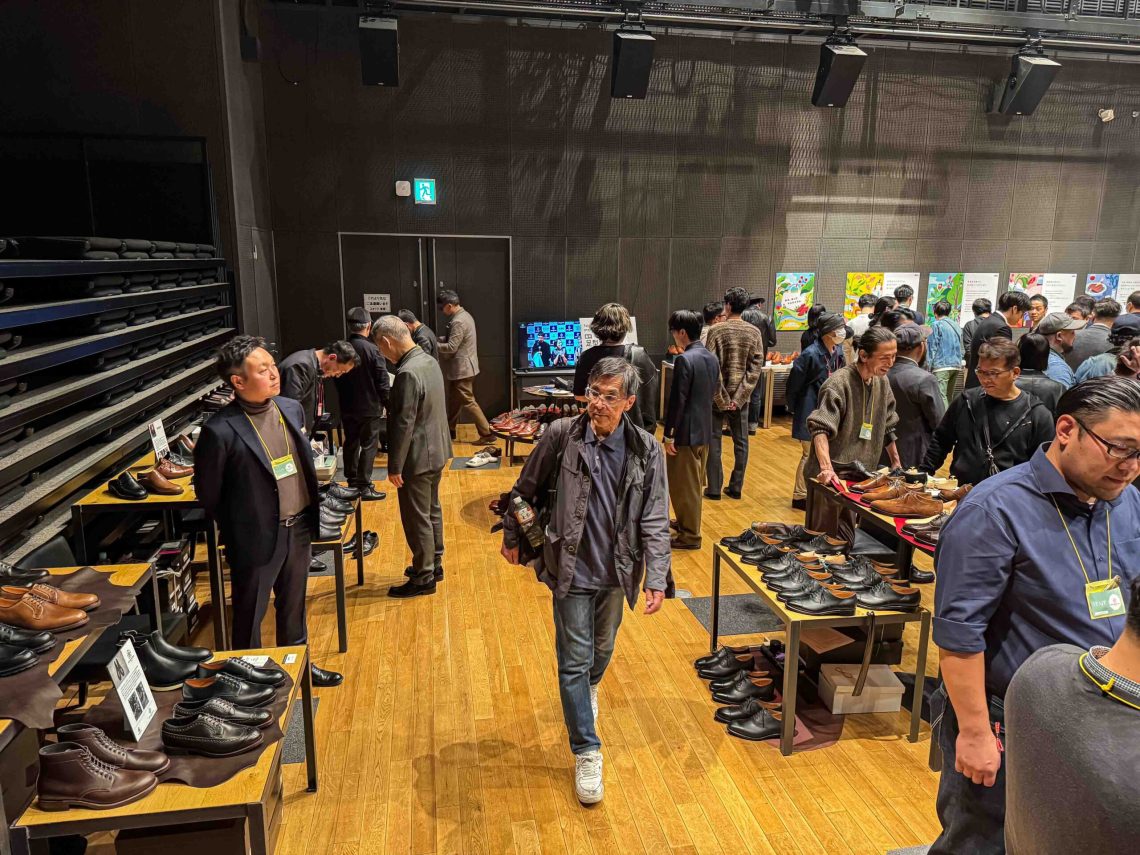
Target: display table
[
  {"x": 254, "y": 794},
  {"x": 523, "y": 378},
  {"x": 354, "y": 524},
  {"x": 793, "y": 626},
  {"x": 510, "y": 441},
  {"x": 771, "y": 375}
]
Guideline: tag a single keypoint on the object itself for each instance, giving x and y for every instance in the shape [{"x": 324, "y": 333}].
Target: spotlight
[
  {"x": 379, "y": 51},
  {"x": 1030, "y": 74},
  {"x": 840, "y": 61},
  {"x": 633, "y": 55}
]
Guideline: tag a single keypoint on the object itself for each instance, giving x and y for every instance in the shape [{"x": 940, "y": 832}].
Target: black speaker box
[
  {"x": 839, "y": 67},
  {"x": 632, "y": 62},
  {"x": 1022, "y": 91},
  {"x": 379, "y": 51}
]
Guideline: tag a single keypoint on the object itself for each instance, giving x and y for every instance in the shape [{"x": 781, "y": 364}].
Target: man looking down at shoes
[
  {"x": 607, "y": 538},
  {"x": 303, "y": 373},
  {"x": 254, "y": 475},
  {"x": 1043, "y": 553},
  {"x": 363, "y": 395}
]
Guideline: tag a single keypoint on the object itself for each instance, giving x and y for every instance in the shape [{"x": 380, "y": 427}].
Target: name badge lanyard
[
  {"x": 867, "y": 428},
  {"x": 282, "y": 466},
  {"x": 1103, "y": 595}
]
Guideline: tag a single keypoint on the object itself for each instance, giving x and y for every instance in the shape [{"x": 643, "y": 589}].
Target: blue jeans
[{"x": 585, "y": 626}]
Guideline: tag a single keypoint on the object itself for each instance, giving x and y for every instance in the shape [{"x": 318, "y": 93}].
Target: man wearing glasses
[
  {"x": 992, "y": 427},
  {"x": 607, "y": 538},
  {"x": 1043, "y": 553}
]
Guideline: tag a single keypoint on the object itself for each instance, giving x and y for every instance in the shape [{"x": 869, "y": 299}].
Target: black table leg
[
  {"x": 80, "y": 535},
  {"x": 217, "y": 588},
  {"x": 791, "y": 678},
  {"x": 359, "y": 543},
  {"x": 341, "y": 617},
  {"x": 307, "y": 720},
  {"x": 714, "y": 619},
  {"x": 904, "y": 557}
]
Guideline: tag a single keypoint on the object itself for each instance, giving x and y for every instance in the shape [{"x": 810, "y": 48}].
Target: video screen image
[{"x": 549, "y": 344}]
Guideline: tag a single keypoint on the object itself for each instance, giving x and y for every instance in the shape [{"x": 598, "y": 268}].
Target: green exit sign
[{"x": 424, "y": 191}]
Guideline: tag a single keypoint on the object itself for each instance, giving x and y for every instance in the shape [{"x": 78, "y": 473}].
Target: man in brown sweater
[{"x": 739, "y": 348}]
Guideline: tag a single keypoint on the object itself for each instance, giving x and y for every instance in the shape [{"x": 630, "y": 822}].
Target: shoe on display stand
[
  {"x": 106, "y": 749},
  {"x": 229, "y": 688},
  {"x": 208, "y": 736},
  {"x": 71, "y": 776},
  {"x": 824, "y": 602},
  {"x": 339, "y": 491},
  {"x": 226, "y": 711},
  {"x": 153, "y": 482},
  {"x": 34, "y": 613},
  {"x": 11, "y": 574},
  {"x": 48, "y": 593},
  {"x": 726, "y": 668},
  {"x": 763, "y": 689},
  {"x": 744, "y": 711},
  {"x": 14, "y": 659},
  {"x": 242, "y": 670},
  {"x": 126, "y": 487},
  {"x": 171, "y": 470},
  {"x": 336, "y": 505},
  {"x": 884, "y": 595},
  {"x": 765, "y": 724},
  {"x": 726, "y": 655},
  {"x": 37, "y": 642},
  {"x": 163, "y": 673}
]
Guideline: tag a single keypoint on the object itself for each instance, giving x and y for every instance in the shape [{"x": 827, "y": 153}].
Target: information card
[
  {"x": 158, "y": 439},
  {"x": 134, "y": 693}
]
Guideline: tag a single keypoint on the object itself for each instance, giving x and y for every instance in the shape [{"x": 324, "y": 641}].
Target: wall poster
[
  {"x": 974, "y": 287},
  {"x": 859, "y": 284},
  {"x": 944, "y": 286},
  {"x": 1100, "y": 286},
  {"x": 795, "y": 293}
]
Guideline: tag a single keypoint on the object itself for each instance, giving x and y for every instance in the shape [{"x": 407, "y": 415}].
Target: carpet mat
[{"x": 740, "y": 614}]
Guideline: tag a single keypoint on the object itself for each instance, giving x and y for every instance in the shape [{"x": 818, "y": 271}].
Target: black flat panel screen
[{"x": 549, "y": 344}]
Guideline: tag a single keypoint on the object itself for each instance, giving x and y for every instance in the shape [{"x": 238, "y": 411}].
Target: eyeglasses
[
  {"x": 1116, "y": 452},
  {"x": 992, "y": 374},
  {"x": 609, "y": 400}
]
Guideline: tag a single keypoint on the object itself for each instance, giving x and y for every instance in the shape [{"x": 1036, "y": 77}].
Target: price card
[
  {"x": 158, "y": 439},
  {"x": 134, "y": 693}
]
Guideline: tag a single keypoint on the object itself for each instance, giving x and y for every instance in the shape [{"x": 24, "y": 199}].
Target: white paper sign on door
[
  {"x": 378, "y": 304},
  {"x": 134, "y": 693}
]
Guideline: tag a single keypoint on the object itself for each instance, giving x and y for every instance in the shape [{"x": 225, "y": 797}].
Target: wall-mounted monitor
[{"x": 549, "y": 344}]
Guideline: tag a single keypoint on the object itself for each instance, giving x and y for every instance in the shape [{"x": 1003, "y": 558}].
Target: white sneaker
[
  {"x": 588, "y": 777},
  {"x": 480, "y": 459},
  {"x": 594, "y": 702}
]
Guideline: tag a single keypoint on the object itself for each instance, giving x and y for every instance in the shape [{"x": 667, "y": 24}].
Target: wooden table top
[
  {"x": 101, "y": 496},
  {"x": 244, "y": 788}
]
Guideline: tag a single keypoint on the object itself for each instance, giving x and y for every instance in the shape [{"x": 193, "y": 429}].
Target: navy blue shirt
[
  {"x": 605, "y": 460},
  {"x": 1008, "y": 580}
]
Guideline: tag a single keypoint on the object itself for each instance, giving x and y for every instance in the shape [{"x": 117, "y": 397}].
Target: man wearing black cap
[
  {"x": 918, "y": 398},
  {"x": 363, "y": 396}
]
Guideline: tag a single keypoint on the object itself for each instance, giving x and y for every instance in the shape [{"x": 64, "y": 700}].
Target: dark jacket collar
[{"x": 634, "y": 442}]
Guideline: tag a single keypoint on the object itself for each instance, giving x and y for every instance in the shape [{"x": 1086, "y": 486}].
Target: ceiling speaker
[
  {"x": 632, "y": 62},
  {"x": 379, "y": 51},
  {"x": 1022, "y": 91},
  {"x": 839, "y": 67}
]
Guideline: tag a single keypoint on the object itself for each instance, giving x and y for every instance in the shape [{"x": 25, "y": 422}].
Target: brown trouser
[
  {"x": 460, "y": 399},
  {"x": 686, "y": 472}
]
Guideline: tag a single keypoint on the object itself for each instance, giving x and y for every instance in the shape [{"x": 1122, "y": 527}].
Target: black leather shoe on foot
[
  {"x": 323, "y": 679},
  {"x": 316, "y": 566},
  {"x": 713, "y": 496},
  {"x": 438, "y": 576},
  {"x": 921, "y": 577},
  {"x": 371, "y": 494},
  {"x": 411, "y": 589},
  {"x": 763, "y": 725},
  {"x": 799, "y": 504},
  {"x": 732, "y": 494}
]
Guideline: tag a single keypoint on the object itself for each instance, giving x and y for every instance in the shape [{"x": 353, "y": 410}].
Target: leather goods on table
[
  {"x": 955, "y": 495},
  {"x": 13, "y": 574},
  {"x": 14, "y": 660},
  {"x": 891, "y": 490},
  {"x": 243, "y": 671},
  {"x": 126, "y": 487},
  {"x": 71, "y": 776},
  {"x": 331, "y": 518},
  {"x": 727, "y": 683},
  {"x": 913, "y": 504},
  {"x": 228, "y": 687},
  {"x": 824, "y": 602},
  {"x": 336, "y": 505},
  {"x": 33, "y": 612},
  {"x": 37, "y": 642},
  {"x": 885, "y": 596},
  {"x": 169, "y": 469},
  {"x": 763, "y": 725},
  {"x": 205, "y": 735},
  {"x": 106, "y": 749},
  {"x": 163, "y": 673},
  {"x": 338, "y": 491},
  {"x": 219, "y": 708},
  {"x": 875, "y": 482},
  {"x": 741, "y": 712},
  {"x": 154, "y": 482},
  {"x": 796, "y": 534},
  {"x": 852, "y": 471},
  {"x": 935, "y": 524},
  {"x": 53, "y": 595},
  {"x": 159, "y": 643},
  {"x": 327, "y": 532}
]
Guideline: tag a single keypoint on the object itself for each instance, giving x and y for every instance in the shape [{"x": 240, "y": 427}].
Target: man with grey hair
[
  {"x": 597, "y": 482},
  {"x": 419, "y": 447}
]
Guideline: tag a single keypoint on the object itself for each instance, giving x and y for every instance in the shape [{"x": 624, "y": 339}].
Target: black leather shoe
[
  {"x": 11, "y": 574},
  {"x": 37, "y": 642},
  {"x": 732, "y": 494},
  {"x": 226, "y": 711},
  {"x": 13, "y": 660},
  {"x": 316, "y": 566},
  {"x": 853, "y": 471},
  {"x": 126, "y": 487},
  {"x": 745, "y": 537},
  {"x": 763, "y": 725},
  {"x": 371, "y": 541},
  {"x": 720, "y": 670},
  {"x": 371, "y": 494},
  {"x": 161, "y": 645},
  {"x": 741, "y": 712},
  {"x": 794, "y": 535},
  {"x": 323, "y": 679},
  {"x": 798, "y": 579},
  {"x": 728, "y": 683},
  {"x": 227, "y": 687},
  {"x": 208, "y": 736},
  {"x": 163, "y": 673},
  {"x": 327, "y": 533},
  {"x": 336, "y": 505},
  {"x": 713, "y": 496},
  {"x": 243, "y": 671},
  {"x": 725, "y": 655},
  {"x": 411, "y": 589},
  {"x": 785, "y": 565},
  {"x": 823, "y": 602},
  {"x": 331, "y": 518},
  {"x": 886, "y": 597},
  {"x": 338, "y": 491},
  {"x": 824, "y": 545},
  {"x": 438, "y": 575},
  {"x": 921, "y": 577},
  {"x": 740, "y": 693},
  {"x": 763, "y": 553}
]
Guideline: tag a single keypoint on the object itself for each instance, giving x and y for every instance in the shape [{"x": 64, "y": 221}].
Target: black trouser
[
  {"x": 361, "y": 439},
  {"x": 286, "y": 574},
  {"x": 422, "y": 519},
  {"x": 972, "y": 816},
  {"x": 738, "y": 426}
]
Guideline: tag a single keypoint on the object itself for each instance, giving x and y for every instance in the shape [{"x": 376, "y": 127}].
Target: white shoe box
[{"x": 882, "y": 693}]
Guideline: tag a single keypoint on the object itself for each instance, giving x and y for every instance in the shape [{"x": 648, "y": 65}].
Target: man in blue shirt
[
  {"x": 1018, "y": 566},
  {"x": 1060, "y": 330}
]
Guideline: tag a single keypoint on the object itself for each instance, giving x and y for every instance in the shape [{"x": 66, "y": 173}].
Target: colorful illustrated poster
[
  {"x": 1030, "y": 283},
  {"x": 974, "y": 287},
  {"x": 858, "y": 285},
  {"x": 795, "y": 292},
  {"x": 944, "y": 286},
  {"x": 1100, "y": 286}
]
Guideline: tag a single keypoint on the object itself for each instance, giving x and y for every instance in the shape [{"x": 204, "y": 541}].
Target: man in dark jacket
[
  {"x": 419, "y": 446},
  {"x": 254, "y": 476},
  {"x": 689, "y": 425},
  {"x": 1095, "y": 338},
  {"x": 755, "y": 315},
  {"x": 363, "y": 396},
  {"x": 918, "y": 398},
  {"x": 421, "y": 333},
  {"x": 1012, "y": 306},
  {"x": 994, "y": 427},
  {"x": 608, "y": 533},
  {"x": 303, "y": 373}
]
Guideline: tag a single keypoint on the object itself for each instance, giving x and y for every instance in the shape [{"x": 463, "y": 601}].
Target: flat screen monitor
[{"x": 549, "y": 344}]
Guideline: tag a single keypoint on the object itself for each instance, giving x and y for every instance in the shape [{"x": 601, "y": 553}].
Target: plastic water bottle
[{"x": 527, "y": 519}]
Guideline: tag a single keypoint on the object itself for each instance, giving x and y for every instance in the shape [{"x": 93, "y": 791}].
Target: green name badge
[
  {"x": 283, "y": 467},
  {"x": 865, "y": 431},
  {"x": 1105, "y": 599}
]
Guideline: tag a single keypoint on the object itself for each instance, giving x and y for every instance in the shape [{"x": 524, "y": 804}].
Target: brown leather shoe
[
  {"x": 894, "y": 490},
  {"x": 955, "y": 495},
  {"x": 32, "y": 612},
  {"x": 154, "y": 482},
  {"x": 106, "y": 749},
  {"x": 168, "y": 469},
  {"x": 877, "y": 483},
  {"x": 71, "y": 776},
  {"x": 912, "y": 504},
  {"x": 65, "y": 599}
]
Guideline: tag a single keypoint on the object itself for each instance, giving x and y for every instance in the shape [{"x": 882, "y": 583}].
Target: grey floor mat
[
  {"x": 461, "y": 463},
  {"x": 910, "y": 850},
  {"x": 740, "y": 614},
  {"x": 294, "y": 750}
]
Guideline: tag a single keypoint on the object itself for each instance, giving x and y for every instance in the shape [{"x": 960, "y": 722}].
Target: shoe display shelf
[
  {"x": 353, "y": 523},
  {"x": 509, "y": 441},
  {"x": 794, "y": 623},
  {"x": 255, "y": 797},
  {"x": 775, "y": 380},
  {"x": 18, "y": 744}
]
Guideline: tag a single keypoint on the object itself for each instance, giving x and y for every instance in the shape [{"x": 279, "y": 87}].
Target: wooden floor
[{"x": 447, "y": 735}]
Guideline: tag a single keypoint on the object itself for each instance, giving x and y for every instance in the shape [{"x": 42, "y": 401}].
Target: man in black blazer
[
  {"x": 254, "y": 476},
  {"x": 363, "y": 395},
  {"x": 303, "y": 373},
  {"x": 1012, "y": 306},
  {"x": 689, "y": 425}
]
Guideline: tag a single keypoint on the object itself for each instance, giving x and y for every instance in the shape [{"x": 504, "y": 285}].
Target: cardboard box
[{"x": 882, "y": 693}]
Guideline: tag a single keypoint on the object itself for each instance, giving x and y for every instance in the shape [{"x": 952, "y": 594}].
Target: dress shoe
[
  {"x": 921, "y": 577},
  {"x": 916, "y": 504},
  {"x": 727, "y": 683},
  {"x": 823, "y": 545},
  {"x": 715, "y": 497},
  {"x": 10, "y": 574},
  {"x": 809, "y": 586},
  {"x": 37, "y": 642},
  {"x": 856, "y": 575},
  {"x": 894, "y": 488},
  {"x": 126, "y": 487},
  {"x": 732, "y": 494},
  {"x": 316, "y": 566},
  {"x": 677, "y": 543},
  {"x": 180, "y": 460},
  {"x": 927, "y": 537},
  {"x": 913, "y": 527},
  {"x": 765, "y": 724},
  {"x": 332, "y": 518},
  {"x": 106, "y": 749},
  {"x": 726, "y": 655},
  {"x": 34, "y": 613},
  {"x": 244, "y": 671},
  {"x": 371, "y": 494},
  {"x": 53, "y": 595},
  {"x": 184, "y": 445},
  {"x": 71, "y": 776},
  {"x": 824, "y": 602},
  {"x": 744, "y": 711},
  {"x": 226, "y": 711},
  {"x": 170, "y": 470},
  {"x": 227, "y": 687},
  {"x": 411, "y": 589},
  {"x": 745, "y": 537},
  {"x": 14, "y": 659},
  {"x": 328, "y": 533},
  {"x": 772, "y": 528},
  {"x": 729, "y": 667},
  {"x": 438, "y": 575},
  {"x": 336, "y": 505},
  {"x": 160, "y": 645},
  {"x": 153, "y": 482},
  {"x": 371, "y": 541},
  {"x": 163, "y": 673},
  {"x": 762, "y": 689},
  {"x": 875, "y": 482},
  {"x": 955, "y": 495},
  {"x": 786, "y": 564},
  {"x": 339, "y": 491},
  {"x": 323, "y": 679},
  {"x": 853, "y": 471},
  {"x": 208, "y": 736},
  {"x": 886, "y": 597},
  {"x": 800, "y": 580},
  {"x": 795, "y": 535}
]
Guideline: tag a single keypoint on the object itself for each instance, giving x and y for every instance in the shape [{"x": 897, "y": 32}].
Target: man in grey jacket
[
  {"x": 918, "y": 399},
  {"x": 459, "y": 359},
  {"x": 418, "y": 449},
  {"x": 607, "y": 538}
]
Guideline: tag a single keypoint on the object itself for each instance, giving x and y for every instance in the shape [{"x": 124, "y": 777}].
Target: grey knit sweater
[{"x": 843, "y": 400}]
